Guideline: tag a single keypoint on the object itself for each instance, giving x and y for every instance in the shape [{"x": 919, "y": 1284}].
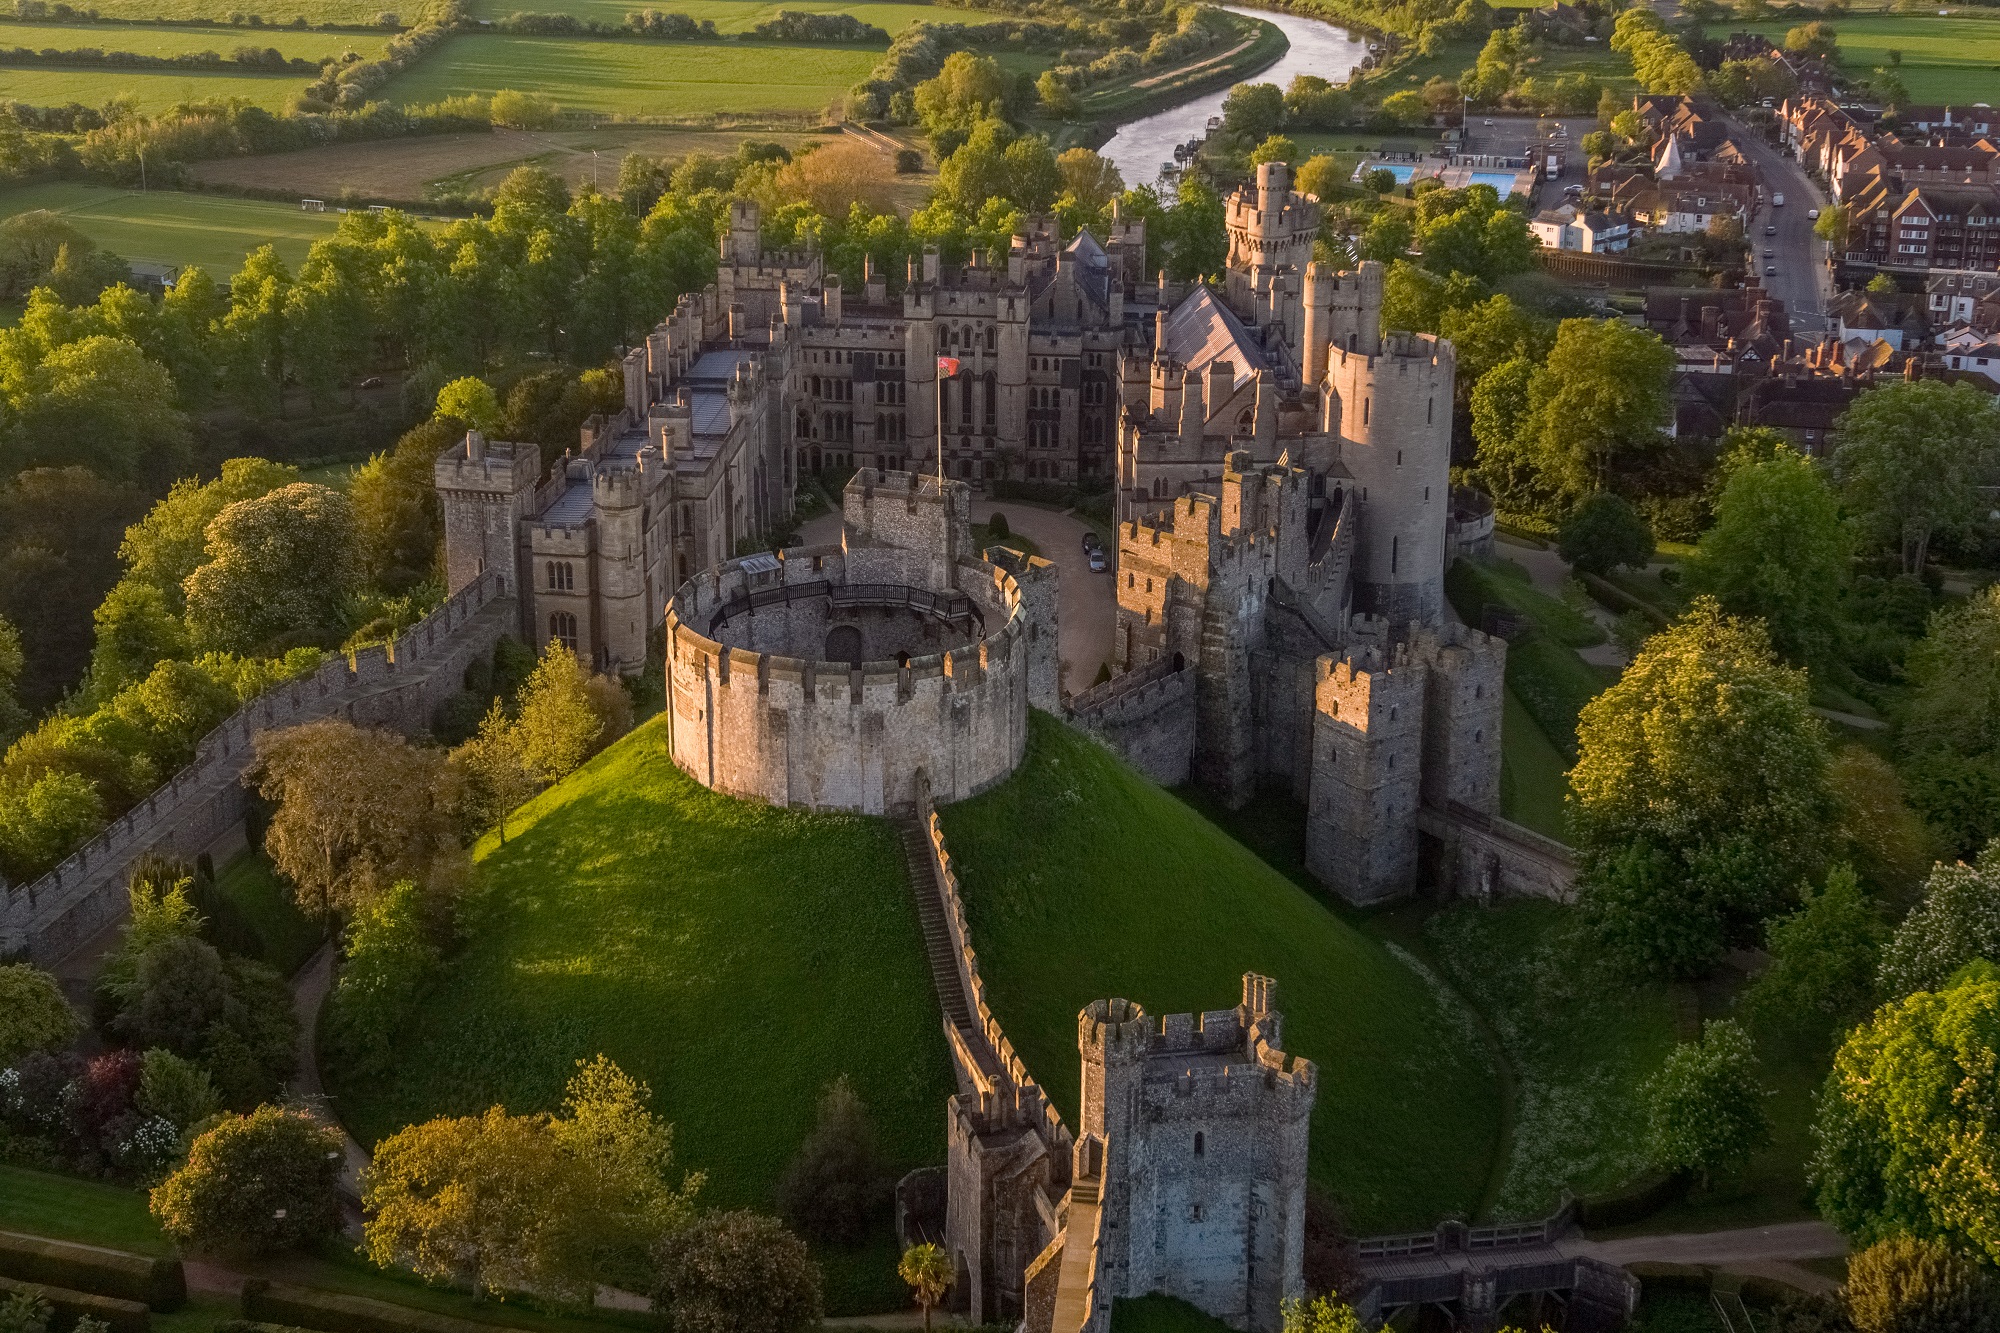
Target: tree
[
  {"x": 1957, "y": 922},
  {"x": 1831, "y": 227},
  {"x": 1778, "y": 551},
  {"x": 1911, "y": 1284},
  {"x": 836, "y": 1183},
  {"x": 1699, "y": 798},
  {"x": 1602, "y": 533},
  {"x": 1903, "y": 1138},
  {"x": 1596, "y": 404},
  {"x": 397, "y": 517},
  {"x": 387, "y": 958},
  {"x": 255, "y": 1184},
  {"x": 175, "y": 1090},
  {"x": 1275, "y": 148},
  {"x": 1813, "y": 39},
  {"x": 1322, "y": 1314},
  {"x": 496, "y": 779},
  {"x": 1089, "y": 179},
  {"x": 1886, "y": 841},
  {"x": 565, "y": 717},
  {"x": 1056, "y": 98},
  {"x": 1704, "y": 1108},
  {"x": 1823, "y": 956},
  {"x": 1951, "y": 723},
  {"x": 34, "y": 1016},
  {"x": 97, "y": 402},
  {"x": 280, "y": 567},
  {"x": 470, "y": 400},
  {"x": 928, "y": 1270},
  {"x": 358, "y": 809},
  {"x": 1254, "y": 110},
  {"x": 167, "y": 545},
  {"x": 1909, "y": 457},
  {"x": 736, "y": 1272}
]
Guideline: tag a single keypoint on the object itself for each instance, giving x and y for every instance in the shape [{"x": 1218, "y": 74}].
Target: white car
[
  {"x": 1812, "y": 214},
  {"x": 1777, "y": 201}
]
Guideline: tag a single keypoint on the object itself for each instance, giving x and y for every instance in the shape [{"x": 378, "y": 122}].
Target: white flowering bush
[
  {"x": 1958, "y": 921},
  {"x": 1705, "y": 1108},
  {"x": 152, "y": 1148}
]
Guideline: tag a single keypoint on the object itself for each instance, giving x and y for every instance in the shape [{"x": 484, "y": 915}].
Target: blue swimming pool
[
  {"x": 1503, "y": 181},
  {"x": 1402, "y": 171}
]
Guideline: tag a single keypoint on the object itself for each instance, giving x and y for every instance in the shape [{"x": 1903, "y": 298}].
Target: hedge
[
  {"x": 122, "y": 1316},
  {"x": 159, "y": 1283},
  {"x": 267, "y": 1302}
]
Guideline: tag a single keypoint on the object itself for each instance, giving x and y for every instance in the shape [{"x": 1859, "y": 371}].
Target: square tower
[
  {"x": 485, "y": 488},
  {"x": 1367, "y": 765}
]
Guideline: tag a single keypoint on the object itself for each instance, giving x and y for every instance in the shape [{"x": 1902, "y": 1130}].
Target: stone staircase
[{"x": 938, "y": 945}]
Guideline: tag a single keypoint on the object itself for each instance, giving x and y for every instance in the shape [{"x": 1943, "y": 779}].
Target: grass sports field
[
  {"x": 743, "y": 15},
  {"x": 152, "y": 90},
  {"x": 638, "y": 78},
  {"x": 172, "y": 227},
  {"x": 152, "y": 40},
  {"x": 1125, "y": 890},
  {"x": 1954, "y": 59},
  {"x": 735, "y": 956}
]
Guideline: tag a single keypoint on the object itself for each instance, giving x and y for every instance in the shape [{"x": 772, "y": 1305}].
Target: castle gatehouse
[{"x": 843, "y": 677}]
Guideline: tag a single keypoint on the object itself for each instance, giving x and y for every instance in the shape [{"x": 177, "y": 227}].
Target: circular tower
[{"x": 1391, "y": 413}]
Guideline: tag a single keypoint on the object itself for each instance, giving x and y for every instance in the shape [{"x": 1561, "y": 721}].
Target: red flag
[{"x": 947, "y": 366}]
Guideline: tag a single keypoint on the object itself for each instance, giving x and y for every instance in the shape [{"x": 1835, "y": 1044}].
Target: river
[{"x": 1318, "y": 47}]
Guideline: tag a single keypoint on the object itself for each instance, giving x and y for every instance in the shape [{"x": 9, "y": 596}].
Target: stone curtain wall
[
  {"x": 1146, "y": 717},
  {"x": 1487, "y": 857},
  {"x": 397, "y": 685}
]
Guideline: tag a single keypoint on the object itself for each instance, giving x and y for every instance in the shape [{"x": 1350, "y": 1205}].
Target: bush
[
  {"x": 1603, "y": 532},
  {"x": 389, "y": 956},
  {"x": 34, "y": 1016},
  {"x": 175, "y": 1090},
  {"x": 159, "y": 1283},
  {"x": 1912, "y": 1285},
  {"x": 908, "y": 161},
  {"x": 255, "y": 1184},
  {"x": 836, "y": 1185},
  {"x": 736, "y": 1272},
  {"x": 997, "y": 525}
]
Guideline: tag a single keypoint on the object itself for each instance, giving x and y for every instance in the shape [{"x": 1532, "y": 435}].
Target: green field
[
  {"x": 151, "y": 40},
  {"x": 638, "y": 78},
  {"x": 83, "y": 1210},
  {"x": 172, "y": 227},
  {"x": 1083, "y": 880},
  {"x": 735, "y": 956},
  {"x": 273, "y": 12},
  {"x": 1955, "y": 59},
  {"x": 152, "y": 91},
  {"x": 743, "y": 15}
]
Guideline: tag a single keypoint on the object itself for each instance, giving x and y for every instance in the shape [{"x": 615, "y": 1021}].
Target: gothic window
[
  {"x": 562, "y": 629},
  {"x": 562, "y": 576},
  {"x": 964, "y": 399},
  {"x": 992, "y": 415},
  {"x": 1246, "y": 418},
  {"x": 1197, "y": 1143},
  {"x": 1395, "y": 545}
]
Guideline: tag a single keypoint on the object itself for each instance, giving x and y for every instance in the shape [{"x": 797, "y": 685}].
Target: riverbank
[{"x": 1115, "y": 108}]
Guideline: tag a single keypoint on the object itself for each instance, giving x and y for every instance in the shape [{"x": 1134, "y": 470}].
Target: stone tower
[
  {"x": 618, "y": 495},
  {"x": 920, "y": 377},
  {"x": 1391, "y": 414},
  {"x": 1367, "y": 767},
  {"x": 485, "y": 488},
  {"x": 1271, "y": 231},
  {"x": 1197, "y": 1126}
]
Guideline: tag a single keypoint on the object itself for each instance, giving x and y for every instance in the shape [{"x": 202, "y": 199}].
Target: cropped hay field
[
  {"x": 1084, "y": 880},
  {"x": 1954, "y": 59},
  {"x": 743, "y": 15},
  {"x": 148, "y": 39},
  {"x": 401, "y": 168},
  {"x": 173, "y": 227},
  {"x": 273, "y": 12},
  {"x": 152, "y": 91},
  {"x": 736, "y": 956},
  {"x": 638, "y": 78}
]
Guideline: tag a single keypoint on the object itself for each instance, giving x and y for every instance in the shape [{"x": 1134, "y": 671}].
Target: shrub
[
  {"x": 101, "y": 1114},
  {"x": 908, "y": 161},
  {"x": 388, "y": 958},
  {"x": 1908, "y": 1284},
  {"x": 175, "y": 1090},
  {"x": 34, "y": 1016},
  {"x": 1602, "y": 533},
  {"x": 1704, "y": 1109},
  {"x": 25, "y": 1312},
  {"x": 736, "y": 1272},
  {"x": 836, "y": 1185},
  {"x": 255, "y": 1184}
]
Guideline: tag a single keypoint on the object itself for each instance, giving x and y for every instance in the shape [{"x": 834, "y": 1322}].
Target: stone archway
[{"x": 843, "y": 644}]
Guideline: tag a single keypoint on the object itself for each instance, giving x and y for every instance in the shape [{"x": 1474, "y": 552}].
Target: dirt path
[
  {"x": 309, "y": 990},
  {"x": 1549, "y": 573},
  {"x": 1773, "y": 1250}
]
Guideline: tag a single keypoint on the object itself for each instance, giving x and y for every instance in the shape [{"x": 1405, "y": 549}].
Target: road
[
  {"x": 1801, "y": 281},
  {"x": 1087, "y": 606}
]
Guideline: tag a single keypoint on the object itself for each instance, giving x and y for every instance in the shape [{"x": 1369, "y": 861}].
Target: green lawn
[
  {"x": 1161, "y": 1314},
  {"x": 1083, "y": 880},
  {"x": 1955, "y": 59},
  {"x": 1580, "y": 1043},
  {"x": 736, "y": 956},
  {"x": 273, "y": 12},
  {"x": 153, "y": 40},
  {"x": 151, "y": 90},
  {"x": 174, "y": 227},
  {"x": 1534, "y": 776},
  {"x": 83, "y": 1210},
  {"x": 1543, "y": 671},
  {"x": 288, "y": 937},
  {"x": 638, "y": 78},
  {"x": 743, "y": 15}
]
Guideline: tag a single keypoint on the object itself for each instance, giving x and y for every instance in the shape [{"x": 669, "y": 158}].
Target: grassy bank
[
  {"x": 1123, "y": 889},
  {"x": 735, "y": 956},
  {"x": 171, "y": 227},
  {"x": 1543, "y": 671}
]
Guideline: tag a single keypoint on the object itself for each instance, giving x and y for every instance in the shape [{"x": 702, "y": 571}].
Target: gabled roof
[{"x": 1201, "y": 330}]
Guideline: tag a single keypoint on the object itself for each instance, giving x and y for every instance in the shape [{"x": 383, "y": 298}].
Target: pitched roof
[{"x": 1201, "y": 330}]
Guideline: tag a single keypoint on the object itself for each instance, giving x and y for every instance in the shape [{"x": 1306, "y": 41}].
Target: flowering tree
[{"x": 1704, "y": 1109}]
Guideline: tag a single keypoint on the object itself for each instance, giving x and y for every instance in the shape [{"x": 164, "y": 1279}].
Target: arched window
[
  {"x": 990, "y": 343},
  {"x": 1197, "y": 1134},
  {"x": 562, "y": 628},
  {"x": 992, "y": 398},
  {"x": 964, "y": 384}
]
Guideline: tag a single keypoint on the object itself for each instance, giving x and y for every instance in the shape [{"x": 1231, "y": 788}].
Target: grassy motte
[
  {"x": 620, "y": 77},
  {"x": 1543, "y": 671},
  {"x": 735, "y": 956},
  {"x": 1083, "y": 880},
  {"x": 169, "y": 226}
]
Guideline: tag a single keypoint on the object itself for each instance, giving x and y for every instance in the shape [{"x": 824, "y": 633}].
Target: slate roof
[{"x": 1201, "y": 330}]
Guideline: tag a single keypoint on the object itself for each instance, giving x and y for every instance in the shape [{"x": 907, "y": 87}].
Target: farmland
[
  {"x": 1954, "y": 59},
  {"x": 639, "y": 78},
  {"x": 742, "y": 15},
  {"x": 277, "y": 12},
  {"x": 148, "y": 39},
  {"x": 151, "y": 90},
  {"x": 171, "y": 227}
]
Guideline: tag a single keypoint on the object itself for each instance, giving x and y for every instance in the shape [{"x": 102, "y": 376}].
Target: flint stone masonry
[
  {"x": 396, "y": 685},
  {"x": 967, "y": 646},
  {"x": 1146, "y": 717}
]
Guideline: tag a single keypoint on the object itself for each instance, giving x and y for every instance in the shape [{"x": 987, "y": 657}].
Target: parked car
[
  {"x": 1813, "y": 213},
  {"x": 1777, "y": 201},
  {"x": 1770, "y": 270},
  {"x": 1768, "y": 252},
  {"x": 1770, "y": 231},
  {"x": 1091, "y": 543},
  {"x": 1098, "y": 563}
]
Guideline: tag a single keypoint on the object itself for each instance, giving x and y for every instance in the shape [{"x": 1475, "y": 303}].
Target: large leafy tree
[
  {"x": 1908, "y": 1284},
  {"x": 1596, "y": 405},
  {"x": 1951, "y": 723},
  {"x": 1910, "y": 457},
  {"x": 1958, "y": 922},
  {"x": 253, "y": 1184},
  {"x": 281, "y": 566},
  {"x": 1904, "y": 1135},
  {"x": 1823, "y": 956},
  {"x": 1700, "y": 798},
  {"x": 736, "y": 1272},
  {"x": 1705, "y": 1106},
  {"x": 58, "y": 531},
  {"x": 1778, "y": 551}
]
